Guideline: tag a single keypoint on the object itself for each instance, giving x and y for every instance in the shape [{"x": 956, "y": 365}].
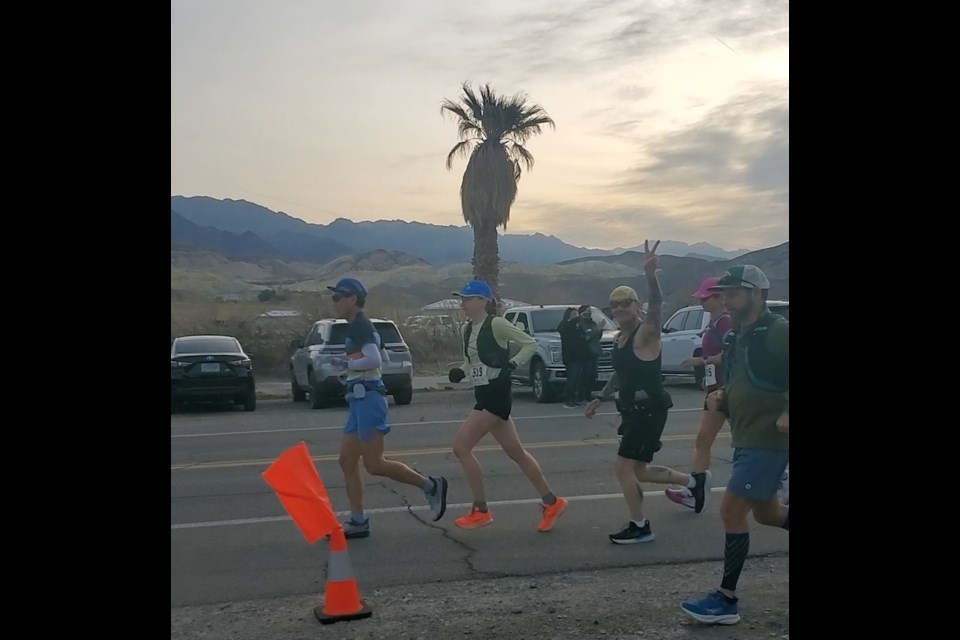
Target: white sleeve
[{"x": 371, "y": 359}]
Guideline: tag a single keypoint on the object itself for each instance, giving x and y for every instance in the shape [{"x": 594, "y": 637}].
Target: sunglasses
[{"x": 623, "y": 303}]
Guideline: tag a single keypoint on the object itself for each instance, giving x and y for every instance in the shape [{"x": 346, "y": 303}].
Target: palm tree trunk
[{"x": 486, "y": 255}]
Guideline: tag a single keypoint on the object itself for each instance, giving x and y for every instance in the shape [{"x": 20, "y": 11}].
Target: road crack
[{"x": 470, "y": 551}]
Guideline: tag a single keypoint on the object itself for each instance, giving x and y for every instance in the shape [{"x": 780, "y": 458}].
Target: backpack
[{"x": 765, "y": 370}]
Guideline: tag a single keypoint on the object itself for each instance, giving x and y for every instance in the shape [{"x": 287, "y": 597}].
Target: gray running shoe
[{"x": 438, "y": 499}]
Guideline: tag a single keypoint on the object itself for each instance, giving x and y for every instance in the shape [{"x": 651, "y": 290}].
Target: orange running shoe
[
  {"x": 551, "y": 512},
  {"x": 474, "y": 519}
]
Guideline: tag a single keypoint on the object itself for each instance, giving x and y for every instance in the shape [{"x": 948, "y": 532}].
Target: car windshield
[
  {"x": 388, "y": 332},
  {"x": 206, "y": 345},
  {"x": 549, "y": 319}
]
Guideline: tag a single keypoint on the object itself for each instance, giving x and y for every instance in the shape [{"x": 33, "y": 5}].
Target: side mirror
[{"x": 295, "y": 344}]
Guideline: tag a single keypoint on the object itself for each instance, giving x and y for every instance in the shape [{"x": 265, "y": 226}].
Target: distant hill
[
  {"x": 397, "y": 279},
  {"x": 184, "y": 233},
  {"x": 291, "y": 238},
  {"x": 240, "y": 240}
]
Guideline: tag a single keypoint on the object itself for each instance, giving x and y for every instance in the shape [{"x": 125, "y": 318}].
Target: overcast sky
[{"x": 672, "y": 115}]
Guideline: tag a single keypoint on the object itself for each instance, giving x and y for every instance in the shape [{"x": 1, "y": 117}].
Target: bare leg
[
  {"x": 376, "y": 465},
  {"x": 505, "y": 432},
  {"x": 771, "y": 513},
  {"x": 710, "y": 424},
  {"x": 477, "y": 425},
  {"x": 352, "y": 478},
  {"x": 660, "y": 475},
  {"x": 627, "y": 472}
]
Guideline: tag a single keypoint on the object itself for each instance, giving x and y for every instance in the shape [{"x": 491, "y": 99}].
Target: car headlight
[{"x": 556, "y": 353}]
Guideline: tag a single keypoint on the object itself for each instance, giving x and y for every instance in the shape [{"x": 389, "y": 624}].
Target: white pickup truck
[
  {"x": 545, "y": 371},
  {"x": 682, "y": 337}
]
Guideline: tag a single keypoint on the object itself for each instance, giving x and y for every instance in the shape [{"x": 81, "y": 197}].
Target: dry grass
[{"x": 268, "y": 339}]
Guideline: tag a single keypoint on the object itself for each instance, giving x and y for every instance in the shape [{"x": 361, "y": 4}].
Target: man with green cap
[{"x": 755, "y": 397}]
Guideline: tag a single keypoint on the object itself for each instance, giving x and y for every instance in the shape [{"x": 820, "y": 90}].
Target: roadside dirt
[{"x": 619, "y": 604}]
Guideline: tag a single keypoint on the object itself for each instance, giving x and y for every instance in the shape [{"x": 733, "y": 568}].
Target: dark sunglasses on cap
[{"x": 623, "y": 303}]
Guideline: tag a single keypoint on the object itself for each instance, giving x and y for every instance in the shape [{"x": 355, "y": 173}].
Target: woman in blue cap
[{"x": 486, "y": 350}]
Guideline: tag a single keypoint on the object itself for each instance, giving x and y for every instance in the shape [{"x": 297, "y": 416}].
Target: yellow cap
[{"x": 621, "y": 294}]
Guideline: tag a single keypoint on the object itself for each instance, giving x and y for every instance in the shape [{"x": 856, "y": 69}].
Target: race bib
[
  {"x": 710, "y": 375},
  {"x": 479, "y": 374}
]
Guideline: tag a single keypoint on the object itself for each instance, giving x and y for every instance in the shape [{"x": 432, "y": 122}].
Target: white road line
[
  {"x": 393, "y": 424},
  {"x": 460, "y": 505},
  {"x": 444, "y": 451}
]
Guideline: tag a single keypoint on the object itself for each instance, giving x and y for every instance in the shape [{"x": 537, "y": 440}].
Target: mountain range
[{"x": 242, "y": 229}]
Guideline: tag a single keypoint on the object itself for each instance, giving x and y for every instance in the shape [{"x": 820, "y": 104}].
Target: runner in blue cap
[
  {"x": 367, "y": 420},
  {"x": 486, "y": 349}
]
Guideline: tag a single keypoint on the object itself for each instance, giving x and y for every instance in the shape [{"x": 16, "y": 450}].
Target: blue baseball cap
[
  {"x": 350, "y": 287},
  {"x": 475, "y": 288}
]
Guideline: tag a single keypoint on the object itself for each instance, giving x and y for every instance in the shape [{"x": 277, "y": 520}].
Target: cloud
[
  {"x": 653, "y": 28},
  {"x": 743, "y": 142},
  {"x": 724, "y": 179},
  {"x": 661, "y": 130}
]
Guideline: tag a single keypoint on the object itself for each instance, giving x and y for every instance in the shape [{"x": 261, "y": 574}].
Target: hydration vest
[
  {"x": 488, "y": 350},
  {"x": 765, "y": 370}
]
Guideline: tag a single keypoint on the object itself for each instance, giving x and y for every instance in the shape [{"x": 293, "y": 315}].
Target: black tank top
[{"x": 635, "y": 374}]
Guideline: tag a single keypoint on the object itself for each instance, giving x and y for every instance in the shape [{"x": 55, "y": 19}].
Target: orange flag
[{"x": 298, "y": 486}]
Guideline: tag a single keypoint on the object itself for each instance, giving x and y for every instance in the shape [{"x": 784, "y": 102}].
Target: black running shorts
[
  {"x": 495, "y": 396},
  {"x": 640, "y": 433}
]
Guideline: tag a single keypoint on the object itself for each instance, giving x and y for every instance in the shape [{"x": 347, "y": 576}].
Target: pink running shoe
[{"x": 680, "y": 495}]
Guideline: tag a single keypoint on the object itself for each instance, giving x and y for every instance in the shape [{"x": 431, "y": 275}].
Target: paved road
[{"x": 231, "y": 539}]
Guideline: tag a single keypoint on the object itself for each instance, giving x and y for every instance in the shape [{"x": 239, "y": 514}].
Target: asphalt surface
[{"x": 231, "y": 540}]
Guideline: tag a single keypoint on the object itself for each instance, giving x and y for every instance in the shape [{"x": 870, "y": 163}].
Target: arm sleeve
[
  {"x": 371, "y": 358},
  {"x": 504, "y": 332}
]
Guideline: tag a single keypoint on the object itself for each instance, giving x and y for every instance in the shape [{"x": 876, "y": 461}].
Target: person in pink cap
[{"x": 710, "y": 421}]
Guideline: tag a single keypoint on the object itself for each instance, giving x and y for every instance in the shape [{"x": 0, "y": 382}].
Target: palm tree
[{"x": 493, "y": 130}]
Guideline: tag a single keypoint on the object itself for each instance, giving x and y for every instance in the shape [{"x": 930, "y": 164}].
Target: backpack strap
[
  {"x": 466, "y": 338},
  {"x": 760, "y": 331},
  {"x": 768, "y": 320}
]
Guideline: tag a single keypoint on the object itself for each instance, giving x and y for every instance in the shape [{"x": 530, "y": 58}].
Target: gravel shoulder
[{"x": 625, "y": 603}]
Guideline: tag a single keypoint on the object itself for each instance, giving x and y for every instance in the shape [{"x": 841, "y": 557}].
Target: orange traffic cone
[{"x": 341, "y": 601}]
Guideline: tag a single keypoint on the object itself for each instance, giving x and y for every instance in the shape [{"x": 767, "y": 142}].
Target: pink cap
[{"x": 703, "y": 291}]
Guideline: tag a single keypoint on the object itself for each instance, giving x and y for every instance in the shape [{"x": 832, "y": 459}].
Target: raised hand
[{"x": 650, "y": 256}]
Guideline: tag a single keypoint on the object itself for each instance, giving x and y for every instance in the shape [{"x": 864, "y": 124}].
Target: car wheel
[
  {"x": 250, "y": 401},
  {"x": 403, "y": 396},
  {"x": 299, "y": 395},
  {"x": 541, "y": 387},
  {"x": 317, "y": 401}
]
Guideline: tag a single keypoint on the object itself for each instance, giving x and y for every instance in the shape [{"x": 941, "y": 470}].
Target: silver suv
[
  {"x": 683, "y": 337},
  {"x": 311, "y": 372},
  {"x": 545, "y": 371}
]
